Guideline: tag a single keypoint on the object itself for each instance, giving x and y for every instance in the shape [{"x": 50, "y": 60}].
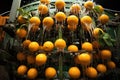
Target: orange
[
  {"x": 91, "y": 72},
  {"x": 76, "y": 59},
  {"x": 21, "y": 20},
  {"x": 101, "y": 68},
  {"x": 48, "y": 46},
  {"x": 41, "y": 59},
  {"x": 111, "y": 64},
  {"x": 35, "y": 20},
  {"x": 72, "y": 48},
  {"x": 48, "y": 22},
  {"x": 106, "y": 54},
  {"x": 96, "y": 44},
  {"x": 26, "y": 43},
  {"x": 50, "y": 72},
  {"x": 21, "y": 33},
  {"x": 72, "y": 27},
  {"x": 60, "y": 43},
  {"x": 72, "y": 20},
  {"x": 84, "y": 59},
  {"x": 43, "y": 9},
  {"x": 34, "y": 28},
  {"x": 45, "y": 1},
  {"x": 32, "y": 73},
  {"x": 30, "y": 59},
  {"x": 75, "y": 8},
  {"x": 87, "y": 46},
  {"x": 101, "y": 8},
  {"x": 22, "y": 69},
  {"x": 86, "y": 20},
  {"x": 74, "y": 72},
  {"x": 88, "y": 5},
  {"x": 21, "y": 56},
  {"x": 104, "y": 18},
  {"x": 96, "y": 32},
  {"x": 59, "y": 4},
  {"x": 33, "y": 46},
  {"x": 60, "y": 16}
]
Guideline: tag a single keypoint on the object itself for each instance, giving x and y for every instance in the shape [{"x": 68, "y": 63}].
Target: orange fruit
[
  {"x": 72, "y": 20},
  {"x": 96, "y": 44},
  {"x": 76, "y": 59},
  {"x": 88, "y": 5},
  {"x": 21, "y": 33},
  {"x": 74, "y": 72},
  {"x": 21, "y": 20},
  {"x": 84, "y": 59},
  {"x": 48, "y": 22},
  {"x": 21, "y": 56},
  {"x": 60, "y": 16},
  {"x": 101, "y": 8},
  {"x": 50, "y": 72},
  {"x": 34, "y": 28},
  {"x": 101, "y": 68},
  {"x": 43, "y": 9},
  {"x": 48, "y": 46},
  {"x": 59, "y": 4},
  {"x": 60, "y": 43},
  {"x": 41, "y": 59},
  {"x": 30, "y": 59},
  {"x": 91, "y": 72},
  {"x": 106, "y": 54},
  {"x": 111, "y": 64},
  {"x": 75, "y": 8},
  {"x": 86, "y": 20},
  {"x": 96, "y": 32},
  {"x": 26, "y": 43},
  {"x": 21, "y": 70},
  {"x": 72, "y": 27},
  {"x": 104, "y": 18},
  {"x": 45, "y": 1},
  {"x": 87, "y": 46},
  {"x": 35, "y": 20},
  {"x": 32, "y": 73},
  {"x": 33, "y": 46},
  {"x": 72, "y": 48}
]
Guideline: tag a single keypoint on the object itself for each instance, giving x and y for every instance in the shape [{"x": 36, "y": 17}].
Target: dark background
[{"x": 5, "y": 5}]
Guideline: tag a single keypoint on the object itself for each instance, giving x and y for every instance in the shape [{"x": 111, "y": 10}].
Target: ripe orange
[
  {"x": 43, "y": 9},
  {"x": 35, "y": 20},
  {"x": 50, "y": 72},
  {"x": 84, "y": 59},
  {"x": 32, "y": 73},
  {"x": 86, "y": 20},
  {"x": 96, "y": 44},
  {"x": 26, "y": 43},
  {"x": 96, "y": 32},
  {"x": 101, "y": 8},
  {"x": 21, "y": 56},
  {"x": 34, "y": 28},
  {"x": 74, "y": 72},
  {"x": 48, "y": 46},
  {"x": 72, "y": 27},
  {"x": 75, "y": 8},
  {"x": 91, "y": 72},
  {"x": 87, "y": 46},
  {"x": 45, "y": 1},
  {"x": 21, "y": 33},
  {"x": 48, "y": 22},
  {"x": 72, "y": 20},
  {"x": 41, "y": 59},
  {"x": 101, "y": 68},
  {"x": 59, "y": 4},
  {"x": 30, "y": 59},
  {"x": 21, "y": 70},
  {"x": 106, "y": 54},
  {"x": 60, "y": 16},
  {"x": 88, "y": 5},
  {"x": 104, "y": 18},
  {"x": 72, "y": 48},
  {"x": 60, "y": 43},
  {"x": 111, "y": 64},
  {"x": 33, "y": 46},
  {"x": 21, "y": 20}
]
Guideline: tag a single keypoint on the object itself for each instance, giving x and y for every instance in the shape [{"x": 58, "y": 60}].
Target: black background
[{"x": 5, "y": 5}]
